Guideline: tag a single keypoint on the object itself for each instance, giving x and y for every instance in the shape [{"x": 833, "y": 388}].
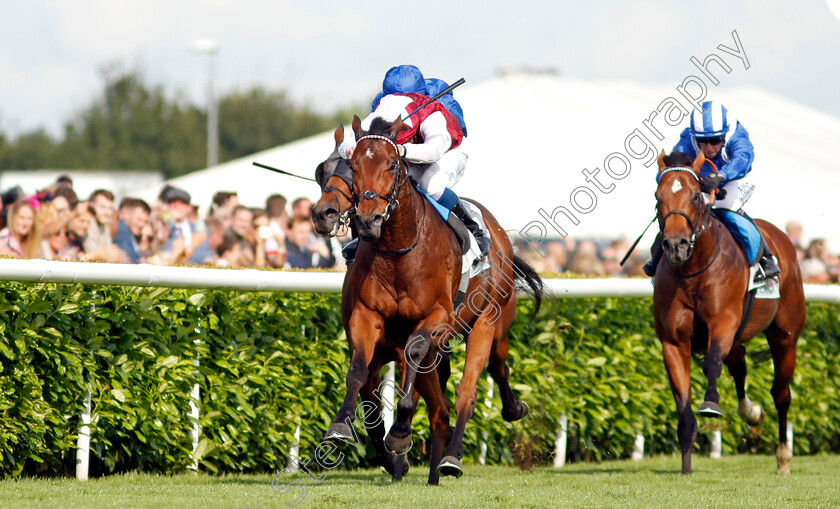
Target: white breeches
[{"x": 441, "y": 174}]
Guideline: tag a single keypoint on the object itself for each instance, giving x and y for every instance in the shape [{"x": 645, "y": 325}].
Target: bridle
[
  {"x": 391, "y": 201},
  {"x": 697, "y": 228},
  {"x": 347, "y": 177}
]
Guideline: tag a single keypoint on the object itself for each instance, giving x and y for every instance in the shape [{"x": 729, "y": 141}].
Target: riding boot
[
  {"x": 655, "y": 255},
  {"x": 768, "y": 262},
  {"x": 348, "y": 251},
  {"x": 474, "y": 228}
]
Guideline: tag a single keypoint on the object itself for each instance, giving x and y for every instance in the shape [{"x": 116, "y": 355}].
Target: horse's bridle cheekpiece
[
  {"x": 696, "y": 228},
  {"x": 391, "y": 200}
]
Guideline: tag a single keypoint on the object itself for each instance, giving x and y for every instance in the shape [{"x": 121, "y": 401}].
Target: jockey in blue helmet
[
  {"x": 725, "y": 142},
  {"x": 437, "y": 159}
]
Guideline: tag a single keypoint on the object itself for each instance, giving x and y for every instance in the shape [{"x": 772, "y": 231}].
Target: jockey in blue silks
[
  {"x": 725, "y": 142},
  {"x": 436, "y": 151}
]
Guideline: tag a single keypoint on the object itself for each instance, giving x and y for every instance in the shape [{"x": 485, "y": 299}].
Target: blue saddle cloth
[
  {"x": 443, "y": 211},
  {"x": 743, "y": 230}
]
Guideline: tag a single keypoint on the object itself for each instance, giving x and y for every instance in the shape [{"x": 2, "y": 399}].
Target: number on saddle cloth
[{"x": 744, "y": 231}]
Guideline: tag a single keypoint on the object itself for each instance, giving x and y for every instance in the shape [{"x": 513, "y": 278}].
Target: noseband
[{"x": 391, "y": 201}]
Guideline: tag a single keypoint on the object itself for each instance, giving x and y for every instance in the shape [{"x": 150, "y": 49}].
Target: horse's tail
[{"x": 532, "y": 282}]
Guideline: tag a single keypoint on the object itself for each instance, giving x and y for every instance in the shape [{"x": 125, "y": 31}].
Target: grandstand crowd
[{"x": 56, "y": 224}]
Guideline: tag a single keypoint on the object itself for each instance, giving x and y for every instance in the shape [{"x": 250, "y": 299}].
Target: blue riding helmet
[
  {"x": 710, "y": 122},
  {"x": 401, "y": 79}
]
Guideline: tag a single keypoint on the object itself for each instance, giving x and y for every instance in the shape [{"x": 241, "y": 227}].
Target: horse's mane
[
  {"x": 677, "y": 158},
  {"x": 381, "y": 127}
]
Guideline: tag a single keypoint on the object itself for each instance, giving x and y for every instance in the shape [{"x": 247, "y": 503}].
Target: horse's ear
[
  {"x": 698, "y": 162},
  {"x": 397, "y": 127},
  {"x": 338, "y": 135},
  {"x": 661, "y": 161},
  {"x": 357, "y": 127}
]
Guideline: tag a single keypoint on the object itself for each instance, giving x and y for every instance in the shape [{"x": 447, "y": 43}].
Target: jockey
[
  {"x": 726, "y": 143},
  {"x": 433, "y": 142}
]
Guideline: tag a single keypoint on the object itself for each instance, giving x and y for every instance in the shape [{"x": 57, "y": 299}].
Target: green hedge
[{"x": 272, "y": 362}]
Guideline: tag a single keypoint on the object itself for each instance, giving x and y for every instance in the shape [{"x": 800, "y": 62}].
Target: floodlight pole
[{"x": 211, "y": 48}]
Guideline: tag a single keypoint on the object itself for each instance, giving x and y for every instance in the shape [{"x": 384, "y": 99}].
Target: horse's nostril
[{"x": 330, "y": 213}]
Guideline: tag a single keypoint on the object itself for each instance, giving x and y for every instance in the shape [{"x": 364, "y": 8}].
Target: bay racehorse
[
  {"x": 699, "y": 299},
  {"x": 333, "y": 209},
  {"x": 401, "y": 289},
  {"x": 330, "y": 213}
]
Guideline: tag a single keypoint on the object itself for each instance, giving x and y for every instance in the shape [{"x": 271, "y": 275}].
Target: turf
[{"x": 733, "y": 481}]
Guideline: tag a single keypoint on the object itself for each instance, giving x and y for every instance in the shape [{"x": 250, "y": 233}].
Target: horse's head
[
  {"x": 376, "y": 174},
  {"x": 336, "y": 179},
  {"x": 680, "y": 205}
]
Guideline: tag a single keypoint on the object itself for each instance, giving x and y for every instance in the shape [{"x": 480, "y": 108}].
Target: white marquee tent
[{"x": 531, "y": 136}]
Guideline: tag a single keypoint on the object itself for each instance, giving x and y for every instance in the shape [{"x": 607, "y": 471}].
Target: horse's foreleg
[
  {"x": 366, "y": 328},
  {"x": 438, "y": 407},
  {"x": 677, "y": 364},
  {"x": 783, "y": 348},
  {"x": 416, "y": 353},
  {"x": 371, "y": 405},
  {"x": 751, "y": 413},
  {"x": 479, "y": 344},
  {"x": 721, "y": 333}
]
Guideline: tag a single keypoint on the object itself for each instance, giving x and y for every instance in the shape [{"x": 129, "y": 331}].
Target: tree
[{"x": 134, "y": 126}]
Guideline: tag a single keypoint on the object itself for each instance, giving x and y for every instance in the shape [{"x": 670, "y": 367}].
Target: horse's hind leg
[
  {"x": 783, "y": 348},
  {"x": 512, "y": 408},
  {"x": 751, "y": 413},
  {"x": 479, "y": 344}
]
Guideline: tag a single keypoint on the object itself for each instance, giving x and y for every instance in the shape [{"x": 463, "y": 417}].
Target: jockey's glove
[{"x": 711, "y": 182}]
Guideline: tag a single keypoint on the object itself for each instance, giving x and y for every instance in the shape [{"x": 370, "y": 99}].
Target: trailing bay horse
[
  {"x": 334, "y": 207},
  {"x": 699, "y": 299},
  {"x": 401, "y": 289}
]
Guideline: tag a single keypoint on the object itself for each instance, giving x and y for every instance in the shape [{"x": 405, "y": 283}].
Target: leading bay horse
[
  {"x": 401, "y": 289},
  {"x": 332, "y": 211},
  {"x": 699, "y": 298}
]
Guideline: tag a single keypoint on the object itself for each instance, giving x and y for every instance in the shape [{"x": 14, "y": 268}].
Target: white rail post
[
  {"x": 790, "y": 435},
  {"x": 83, "y": 442},
  {"x": 638, "y": 447},
  {"x": 716, "y": 445},
  {"x": 560, "y": 442},
  {"x": 388, "y": 395},
  {"x": 195, "y": 402},
  {"x": 294, "y": 452},
  {"x": 488, "y": 402}
]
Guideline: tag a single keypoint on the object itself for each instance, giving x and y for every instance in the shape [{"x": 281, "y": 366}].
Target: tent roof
[{"x": 532, "y": 135}]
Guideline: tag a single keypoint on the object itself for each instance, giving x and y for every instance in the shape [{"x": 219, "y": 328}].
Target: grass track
[{"x": 733, "y": 481}]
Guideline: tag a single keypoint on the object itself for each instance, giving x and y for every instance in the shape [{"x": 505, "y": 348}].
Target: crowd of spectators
[{"x": 56, "y": 224}]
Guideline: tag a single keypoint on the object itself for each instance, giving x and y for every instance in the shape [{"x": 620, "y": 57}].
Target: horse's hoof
[
  {"x": 521, "y": 410},
  {"x": 339, "y": 431},
  {"x": 398, "y": 446},
  {"x": 710, "y": 409},
  {"x": 398, "y": 468},
  {"x": 450, "y": 465},
  {"x": 752, "y": 414},
  {"x": 783, "y": 457}
]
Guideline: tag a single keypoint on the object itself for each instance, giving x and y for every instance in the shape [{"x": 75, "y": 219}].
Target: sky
[{"x": 54, "y": 54}]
